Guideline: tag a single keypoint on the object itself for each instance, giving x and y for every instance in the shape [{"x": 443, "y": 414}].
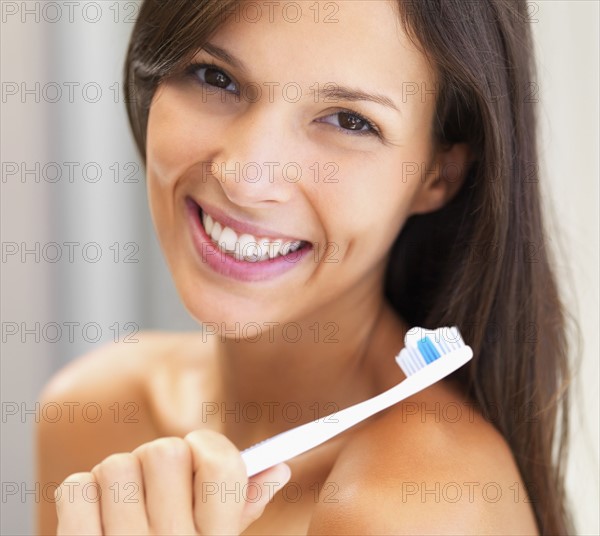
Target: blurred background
[{"x": 80, "y": 262}]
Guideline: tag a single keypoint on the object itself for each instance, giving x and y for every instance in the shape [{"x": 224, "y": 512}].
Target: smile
[
  {"x": 244, "y": 246},
  {"x": 236, "y": 254}
]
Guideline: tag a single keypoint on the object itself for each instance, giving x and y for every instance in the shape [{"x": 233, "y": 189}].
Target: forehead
[{"x": 346, "y": 41}]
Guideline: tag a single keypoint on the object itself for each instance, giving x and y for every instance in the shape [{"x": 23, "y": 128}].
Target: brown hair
[{"x": 479, "y": 263}]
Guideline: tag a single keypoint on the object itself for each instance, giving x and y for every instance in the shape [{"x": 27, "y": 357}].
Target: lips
[
  {"x": 226, "y": 263},
  {"x": 244, "y": 246}
]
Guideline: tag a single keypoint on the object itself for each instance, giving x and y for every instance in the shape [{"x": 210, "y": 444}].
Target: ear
[{"x": 443, "y": 179}]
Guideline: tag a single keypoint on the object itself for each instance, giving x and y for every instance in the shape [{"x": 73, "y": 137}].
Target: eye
[
  {"x": 353, "y": 123},
  {"x": 210, "y": 75}
]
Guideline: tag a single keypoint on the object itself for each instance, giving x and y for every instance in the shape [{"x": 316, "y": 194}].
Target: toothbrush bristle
[
  {"x": 422, "y": 347},
  {"x": 428, "y": 350}
]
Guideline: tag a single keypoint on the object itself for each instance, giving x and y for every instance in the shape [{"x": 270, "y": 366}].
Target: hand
[{"x": 195, "y": 485}]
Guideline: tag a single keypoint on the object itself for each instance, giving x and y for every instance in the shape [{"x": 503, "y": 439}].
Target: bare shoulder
[
  {"x": 431, "y": 465},
  {"x": 123, "y": 361},
  {"x": 101, "y": 403},
  {"x": 119, "y": 387},
  {"x": 119, "y": 379}
]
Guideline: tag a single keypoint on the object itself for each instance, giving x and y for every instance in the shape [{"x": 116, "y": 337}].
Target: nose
[{"x": 251, "y": 161}]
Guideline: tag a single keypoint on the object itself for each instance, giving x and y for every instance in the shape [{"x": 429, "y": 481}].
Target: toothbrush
[{"x": 427, "y": 357}]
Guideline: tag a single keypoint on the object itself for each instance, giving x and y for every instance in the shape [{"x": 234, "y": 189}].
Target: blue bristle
[{"x": 428, "y": 350}]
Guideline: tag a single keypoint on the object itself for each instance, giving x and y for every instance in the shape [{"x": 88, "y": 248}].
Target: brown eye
[
  {"x": 210, "y": 75},
  {"x": 351, "y": 122},
  {"x": 216, "y": 78}
]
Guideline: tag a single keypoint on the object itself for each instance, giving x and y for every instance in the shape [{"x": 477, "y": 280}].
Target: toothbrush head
[{"x": 424, "y": 346}]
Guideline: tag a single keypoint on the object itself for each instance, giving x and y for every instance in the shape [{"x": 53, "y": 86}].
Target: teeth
[
  {"x": 228, "y": 239},
  {"x": 246, "y": 247},
  {"x": 289, "y": 247},
  {"x": 274, "y": 247},
  {"x": 216, "y": 231},
  {"x": 208, "y": 223},
  {"x": 264, "y": 249}
]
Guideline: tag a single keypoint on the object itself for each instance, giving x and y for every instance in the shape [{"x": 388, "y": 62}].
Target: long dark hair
[{"x": 481, "y": 262}]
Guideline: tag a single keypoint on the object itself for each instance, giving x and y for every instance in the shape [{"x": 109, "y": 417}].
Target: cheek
[
  {"x": 175, "y": 138},
  {"x": 371, "y": 201}
]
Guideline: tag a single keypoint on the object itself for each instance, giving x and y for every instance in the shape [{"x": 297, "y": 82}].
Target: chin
[{"x": 231, "y": 316}]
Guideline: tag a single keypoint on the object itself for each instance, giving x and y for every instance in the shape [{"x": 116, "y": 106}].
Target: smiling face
[{"x": 249, "y": 139}]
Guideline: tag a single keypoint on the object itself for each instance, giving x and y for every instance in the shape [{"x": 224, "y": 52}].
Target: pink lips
[
  {"x": 243, "y": 227},
  {"x": 227, "y": 265}
]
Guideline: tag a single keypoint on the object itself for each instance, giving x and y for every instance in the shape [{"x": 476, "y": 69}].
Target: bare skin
[
  {"x": 364, "y": 480},
  {"x": 379, "y": 477}
]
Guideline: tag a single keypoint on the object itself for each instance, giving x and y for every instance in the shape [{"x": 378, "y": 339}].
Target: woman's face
[{"x": 269, "y": 140}]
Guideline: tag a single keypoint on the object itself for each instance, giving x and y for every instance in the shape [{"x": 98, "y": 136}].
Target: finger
[
  {"x": 77, "y": 506},
  {"x": 219, "y": 477},
  {"x": 122, "y": 507},
  {"x": 167, "y": 468},
  {"x": 260, "y": 491}
]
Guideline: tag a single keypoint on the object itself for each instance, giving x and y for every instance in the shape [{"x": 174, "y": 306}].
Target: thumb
[{"x": 260, "y": 491}]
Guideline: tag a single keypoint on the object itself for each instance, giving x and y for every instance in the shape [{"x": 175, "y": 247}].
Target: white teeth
[
  {"x": 285, "y": 248},
  {"x": 208, "y": 223},
  {"x": 274, "y": 247},
  {"x": 216, "y": 231},
  {"x": 228, "y": 239},
  {"x": 264, "y": 249},
  {"x": 246, "y": 247},
  {"x": 289, "y": 247}
]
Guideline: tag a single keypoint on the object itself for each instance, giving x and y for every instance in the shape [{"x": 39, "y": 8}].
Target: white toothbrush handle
[{"x": 298, "y": 440}]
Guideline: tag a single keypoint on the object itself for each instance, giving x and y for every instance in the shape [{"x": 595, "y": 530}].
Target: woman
[{"x": 383, "y": 154}]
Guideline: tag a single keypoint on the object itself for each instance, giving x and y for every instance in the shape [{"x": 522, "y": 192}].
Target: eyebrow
[
  {"x": 222, "y": 54},
  {"x": 353, "y": 95},
  {"x": 329, "y": 90}
]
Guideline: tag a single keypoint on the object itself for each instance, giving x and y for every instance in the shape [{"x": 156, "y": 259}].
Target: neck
[{"x": 306, "y": 369}]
